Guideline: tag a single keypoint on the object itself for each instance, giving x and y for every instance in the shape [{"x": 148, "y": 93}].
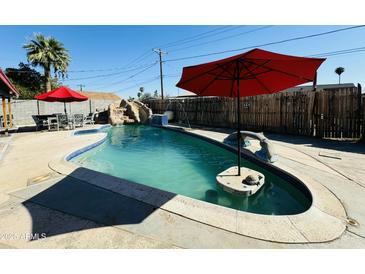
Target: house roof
[
  {"x": 297, "y": 88},
  {"x": 320, "y": 87},
  {"x": 186, "y": 94},
  {"x": 99, "y": 95},
  {"x": 7, "y": 85}
]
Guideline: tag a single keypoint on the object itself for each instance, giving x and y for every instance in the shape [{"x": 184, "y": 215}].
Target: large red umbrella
[
  {"x": 251, "y": 73},
  {"x": 61, "y": 94}
]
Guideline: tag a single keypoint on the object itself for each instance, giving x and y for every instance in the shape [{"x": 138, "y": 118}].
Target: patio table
[{"x": 42, "y": 120}]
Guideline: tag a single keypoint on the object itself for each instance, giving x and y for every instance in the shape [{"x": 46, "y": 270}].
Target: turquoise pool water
[{"x": 186, "y": 165}]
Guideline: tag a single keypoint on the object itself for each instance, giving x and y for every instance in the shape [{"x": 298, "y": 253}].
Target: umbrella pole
[
  {"x": 238, "y": 123},
  {"x": 64, "y": 106}
]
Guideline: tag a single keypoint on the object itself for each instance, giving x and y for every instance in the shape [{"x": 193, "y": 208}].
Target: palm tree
[
  {"x": 47, "y": 52},
  {"x": 339, "y": 71},
  {"x": 140, "y": 93}
]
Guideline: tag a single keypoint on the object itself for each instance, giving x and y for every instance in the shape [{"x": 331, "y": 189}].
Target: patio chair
[
  {"x": 90, "y": 118},
  {"x": 78, "y": 120},
  {"x": 64, "y": 121},
  {"x": 39, "y": 123},
  {"x": 53, "y": 123}
]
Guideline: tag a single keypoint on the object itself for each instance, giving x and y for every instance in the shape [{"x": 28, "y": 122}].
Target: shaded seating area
[{"x": 59, "y": 121}]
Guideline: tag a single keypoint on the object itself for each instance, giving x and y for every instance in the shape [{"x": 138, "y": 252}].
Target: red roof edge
[{"x": 7, "y": 82}]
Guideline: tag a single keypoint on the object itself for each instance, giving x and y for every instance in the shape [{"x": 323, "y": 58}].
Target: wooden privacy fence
[{"x": 335, "y": 113}]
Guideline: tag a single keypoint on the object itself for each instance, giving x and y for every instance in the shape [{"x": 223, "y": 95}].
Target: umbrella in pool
[
  {"x": 251, "y": 73},
  {"x": 62, "y": 94}
]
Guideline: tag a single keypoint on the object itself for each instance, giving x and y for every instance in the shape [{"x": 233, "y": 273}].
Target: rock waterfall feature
[{"x": 129, "y": 112}]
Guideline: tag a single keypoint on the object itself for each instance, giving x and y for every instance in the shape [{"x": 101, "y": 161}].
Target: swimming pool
[{"x": 187, "y": 165}]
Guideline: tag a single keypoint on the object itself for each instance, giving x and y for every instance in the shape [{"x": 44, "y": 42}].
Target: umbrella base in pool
[{"x": 246, "y": 184}]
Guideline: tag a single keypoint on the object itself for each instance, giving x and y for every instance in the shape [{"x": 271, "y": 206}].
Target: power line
[
  {"x": 130, "y": 77},
  {"x": 206, "y": 36},
  {"x": 267, "y": 44},
  {"x": 170, "y": 44},
  {"x": 14, "y": 70},
  {"x": 338, "y": 52},
  {"x": 128, "y": 65},
  {"x": 140, "y": 58},
  {"x": 148, "y": 52},
  {"x": 101, "y": 83},
  {"x": 223, "y": 38},
  {"x": 107, "y": 75},
  {"x": 139, "y": 84},
  {"x": 107, "y": 69}
]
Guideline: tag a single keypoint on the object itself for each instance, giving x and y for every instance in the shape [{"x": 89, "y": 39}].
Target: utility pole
[
  {"x": 160, "y": 52},
  {"x": 81, "y": 86}
]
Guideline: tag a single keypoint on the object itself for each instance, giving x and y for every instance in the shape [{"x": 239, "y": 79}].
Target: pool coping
[{"x": 324, "y": 221}]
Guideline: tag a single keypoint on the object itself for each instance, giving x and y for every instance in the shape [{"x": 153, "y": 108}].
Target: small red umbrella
[
  {"x": 61, "y": 94},
  {"x": 251, "y": 73}
]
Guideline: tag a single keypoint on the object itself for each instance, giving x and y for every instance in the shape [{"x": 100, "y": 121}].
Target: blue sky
[{"x": 110, "y": 51}]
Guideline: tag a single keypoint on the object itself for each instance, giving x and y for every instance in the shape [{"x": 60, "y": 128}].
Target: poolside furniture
[
  {"x": 78, "y": 120},
  {"x": 65, "y": 122},
  {"x": 90, "y": 118},
  {"x": 53, "y": 123},
  {"x": 41, "y": 121}
]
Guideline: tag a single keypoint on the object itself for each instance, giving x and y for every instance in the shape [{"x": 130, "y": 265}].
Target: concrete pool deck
[{"x": 29, "y": 191}]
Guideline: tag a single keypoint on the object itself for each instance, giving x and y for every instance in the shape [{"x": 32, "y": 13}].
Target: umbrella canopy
[
  {"x": 62, "y": 94},
  {"x": 251, "y": 73},
  {"x": 257, "y": 71}
]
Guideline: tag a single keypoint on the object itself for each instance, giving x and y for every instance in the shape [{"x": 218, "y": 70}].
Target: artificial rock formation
[{"x": 129, "y": 112}]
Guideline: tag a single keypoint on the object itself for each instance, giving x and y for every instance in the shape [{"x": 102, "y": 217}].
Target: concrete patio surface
[{"x": 77, "y": 214}]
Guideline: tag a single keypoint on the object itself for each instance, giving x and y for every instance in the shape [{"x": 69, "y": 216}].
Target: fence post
[
  {"x": 315, "y": 115},
  {"x": 359, "y": 111},
  {"x": 360, "y": 114},
  {"x": 314, "y": 87}
]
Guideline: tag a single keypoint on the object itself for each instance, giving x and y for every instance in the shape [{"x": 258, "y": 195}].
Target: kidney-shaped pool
[{"x": 187, "y": 165}]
